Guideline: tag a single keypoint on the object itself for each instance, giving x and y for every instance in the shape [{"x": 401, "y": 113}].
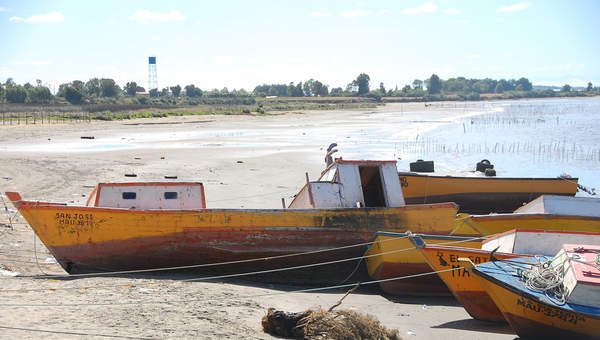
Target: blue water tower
[{"x": 152, "y": 77}]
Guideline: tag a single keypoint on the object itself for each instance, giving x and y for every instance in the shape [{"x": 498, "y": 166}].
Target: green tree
[
  {"x": 153, "y": 93},
  {"x": 589, "y": 86},
  {"x": 524, "y": 83},
  {"x": 298, "y": 91},
  {"x": 566, "y": 88},
  {"x": 417, "y": 84},
  {"x": 193, "y": 91},
  {"x": 16, "y": 94},
  {"x": 336, "y": 91},
  {"x": 382, "y": 89},
  {"x": 10, "y": 82},
  {"x": 93, "y": 87},
  {"x": 73, "y": 95},
  {"x": 1, "y": 93},
  {"x": 176, "y": 90},
  {"x": 317, "y": 88},
  {"x": 362, "y": 81},
  {"x": 499, "y": 88},
  {"x": 164, "y": 92},
  {"x": 39, "y": 95},
  {"x": 307, "y": 87},
  {"x": 109, "y": 87},
  {"x": 131, "y": 88},
  {"x": 435, "y": 84},
  {"x": 406, "y": 89}
]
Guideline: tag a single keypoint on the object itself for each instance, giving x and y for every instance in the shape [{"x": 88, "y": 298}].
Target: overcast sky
[{"x": 240, "y": 44}]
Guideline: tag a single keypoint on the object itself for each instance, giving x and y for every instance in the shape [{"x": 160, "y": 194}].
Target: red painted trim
[
  {"x": 203, "y": 196},
  {"x": 13, "y": 197},
  {"x": 342, "y": 161},
  {"x": 412, "y": 174},
  {"x": 93, "y": 194}
]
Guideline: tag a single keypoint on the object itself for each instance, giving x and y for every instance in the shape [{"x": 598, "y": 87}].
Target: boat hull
[
  {"x": 531, "y": 316},
  {"x": 91, "y": 239},
  {"x": 393, "y": 255},
  {"x": 460, "y": 282},
  {"x": 481, "y": 195}
]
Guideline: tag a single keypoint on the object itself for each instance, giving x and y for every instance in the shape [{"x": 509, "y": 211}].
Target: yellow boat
[
  {"x": 393, "y": 255},
  {"x": 481, "y": 194},
  {"x": 539, "y": 313},
  {"x": 546, "y": 212},
  {"x": 514, "y": 243},
  {"x": 130, "y": 226}
]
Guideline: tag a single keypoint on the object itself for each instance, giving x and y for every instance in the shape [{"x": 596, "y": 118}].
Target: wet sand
[{"x": 244, "y": 162}]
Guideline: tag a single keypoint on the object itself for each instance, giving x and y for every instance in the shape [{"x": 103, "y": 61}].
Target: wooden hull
[
  {"x": 481, "y": 195},
  {"x": 91, "y": 239},
  {"x": 393, "y": 255},
  {"x": 530, "y": 314},
  {"x": 460, "y": 282},
  {"x": 499, "y": 223}
]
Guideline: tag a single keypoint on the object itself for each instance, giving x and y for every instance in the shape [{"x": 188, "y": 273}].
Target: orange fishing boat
[
  {"x": 514, "y": 243},
  {"x": 131, "y": 226}
]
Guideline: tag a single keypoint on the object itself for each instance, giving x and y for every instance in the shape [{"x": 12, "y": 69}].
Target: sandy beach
[{"x": 245, "y": 161}]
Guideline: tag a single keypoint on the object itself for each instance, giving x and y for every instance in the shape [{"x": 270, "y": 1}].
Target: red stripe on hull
[
  {"x": 430, "y": 285},
  {"x": 480, "y": 305},
  {"x": 530, "y": 329},
  {"x": 193, "y": 248}
]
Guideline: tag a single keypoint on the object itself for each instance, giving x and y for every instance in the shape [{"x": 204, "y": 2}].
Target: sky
[{"x": 241, "y": 44}]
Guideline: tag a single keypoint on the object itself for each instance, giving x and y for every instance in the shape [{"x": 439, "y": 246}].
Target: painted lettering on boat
[
  {"x": 451, "y": 260},
  {"x": 74, "y": 222},
  {"x": 550, "y": 311}
]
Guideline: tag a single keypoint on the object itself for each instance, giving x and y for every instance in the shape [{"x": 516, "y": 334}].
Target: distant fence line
[{"x": 27, "y": 118}]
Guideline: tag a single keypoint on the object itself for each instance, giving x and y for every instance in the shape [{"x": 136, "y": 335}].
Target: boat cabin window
[
  {"x": 129, "y": 195},
  {"x": 170, "y": 195},
  {"x": 372, "y": 186}
]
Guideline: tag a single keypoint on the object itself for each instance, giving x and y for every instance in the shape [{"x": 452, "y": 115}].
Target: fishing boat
[
  {"x": 476, "y": 193},
  {"x": 558, "y": 298},
  {"x": 514, "y": 243},
  {"x": 157, "y": 225},
  {"x": 392, "y": 255},
  {"x": 548, "y": 212}
]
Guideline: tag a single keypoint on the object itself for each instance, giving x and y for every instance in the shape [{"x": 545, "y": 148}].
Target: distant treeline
[{"x": 106, "y": 93}]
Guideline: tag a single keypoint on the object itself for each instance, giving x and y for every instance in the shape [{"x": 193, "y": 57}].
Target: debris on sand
[
  {"x": 321, "y": 324},
  {"x": 326, "y": 324}
]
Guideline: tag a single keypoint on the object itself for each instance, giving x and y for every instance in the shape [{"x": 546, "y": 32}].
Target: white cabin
[
  {"x": 148, "y": 196},
  {"x": 537, "y": 242},
  {"x": 562, "y": 205},
  {"x": 351, "y": 184}
]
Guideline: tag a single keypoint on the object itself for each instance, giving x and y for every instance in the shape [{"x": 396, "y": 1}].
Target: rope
[
  {"x": 306, "y": 290},
  {"x": 237, "y": 274}
]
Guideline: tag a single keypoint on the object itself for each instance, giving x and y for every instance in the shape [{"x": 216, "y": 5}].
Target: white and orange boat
[{"x": 130, "y": 226}]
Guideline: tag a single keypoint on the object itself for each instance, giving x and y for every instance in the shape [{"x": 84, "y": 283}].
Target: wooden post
[
  {"x": 283, "y": 202},
  {"x": 307, "y": 178}
]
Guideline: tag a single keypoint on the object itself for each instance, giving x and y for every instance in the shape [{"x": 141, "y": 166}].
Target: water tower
[{"x": 152, "y": 78}]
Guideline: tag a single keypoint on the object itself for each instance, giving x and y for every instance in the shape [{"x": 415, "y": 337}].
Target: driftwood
[{"x": 327, "y": 324}]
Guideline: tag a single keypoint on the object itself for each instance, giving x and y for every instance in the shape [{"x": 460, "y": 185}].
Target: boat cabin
[
  {"x": 351, "y": 184},
  {"x": 538, "y": 242},
  {"x": 580, "y": 265},
  {"x": 562, "y": 205},
  {"x": 148, "y": 196}
]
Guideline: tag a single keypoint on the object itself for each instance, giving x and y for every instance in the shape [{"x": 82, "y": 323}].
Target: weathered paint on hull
[
  {"x": 88, "y": 239},
  {"x": 460, "y": 282},
  {"x": 532, "y": 318},
  {"x": 495, "y": 224},
  {"x": 393, "y": 255},
  {"x": 482, "y": 195}
]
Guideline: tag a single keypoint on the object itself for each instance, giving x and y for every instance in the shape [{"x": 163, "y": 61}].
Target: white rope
[
  {"x": 307, "y": 290},
  {"x": 237, "y": 274}
]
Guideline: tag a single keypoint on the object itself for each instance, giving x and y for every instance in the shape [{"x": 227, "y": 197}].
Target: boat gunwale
[{"x": 493, "y": 178}]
